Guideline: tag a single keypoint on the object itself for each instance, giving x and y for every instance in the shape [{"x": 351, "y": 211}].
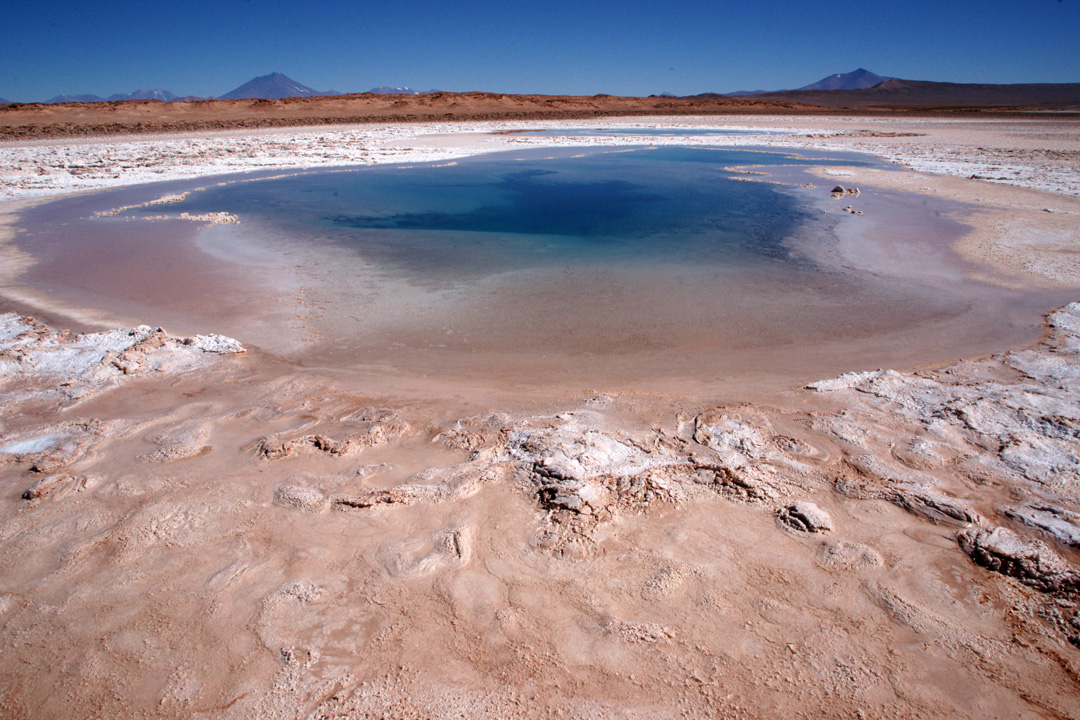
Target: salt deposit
[
  {"x": 826, "y": 550},
  {"x": 936, "y": 146}
]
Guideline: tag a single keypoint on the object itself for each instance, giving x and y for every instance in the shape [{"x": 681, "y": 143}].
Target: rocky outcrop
[
  {"x": 472, "y": 434},
  {"x": 1035, "y": 565},
  {"x": 912, "y": 490},
  {"x": 746, "y": 459},
  {"x": 1009, "y": 422},
  {"x": 1026, "y": 430},
  {"x": 1030, "y": 561}
]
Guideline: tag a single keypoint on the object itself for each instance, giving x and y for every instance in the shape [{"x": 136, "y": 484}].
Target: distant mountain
[
  {"x": 4, "y": 102},
  {"x": 74, "y": 99},
  {"x": 741, "y": 93},
  {"x": 855, "y": 80},
  {"x": 383, "y": 90},
  {"x": 922, "y": 94},
  {"x": 274, "y": 87},
  {"x": 163, "y": 95}
]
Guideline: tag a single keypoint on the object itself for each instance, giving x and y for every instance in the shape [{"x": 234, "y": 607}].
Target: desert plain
[{"x": 195, "y": 525}]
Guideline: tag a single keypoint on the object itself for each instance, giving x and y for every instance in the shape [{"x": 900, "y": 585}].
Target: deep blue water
[{"x": 494, "y": 213}]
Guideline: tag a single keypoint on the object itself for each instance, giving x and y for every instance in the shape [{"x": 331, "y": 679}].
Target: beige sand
[{"x": 186, "y": 533}]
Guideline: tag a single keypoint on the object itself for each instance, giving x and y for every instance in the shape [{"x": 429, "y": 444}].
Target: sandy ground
[
  {"x": 190, "y": 530},
  {"x": 74, "y": 120}
]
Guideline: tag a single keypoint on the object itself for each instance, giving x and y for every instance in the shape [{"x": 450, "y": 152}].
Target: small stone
[
  {"x": 59, "y": 484},
  {"x": 806, "y": 517}
]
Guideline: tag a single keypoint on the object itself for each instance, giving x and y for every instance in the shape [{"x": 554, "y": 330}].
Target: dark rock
[{"x": 1030, "y": 561}]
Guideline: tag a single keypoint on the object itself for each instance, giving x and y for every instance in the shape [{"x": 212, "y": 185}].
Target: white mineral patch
[
  {"x": 576, "y": 450},
  {"x": 32, "y": 445},
  {"x": 72, "y": 365},
  {"x": 1029, "y": 425},
  {"x": 44, "y": 169}
]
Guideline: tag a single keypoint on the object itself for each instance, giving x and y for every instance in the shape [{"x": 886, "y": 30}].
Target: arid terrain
[
  {"x": 35, "y": 120},
  {"x": 904, "y": 97},
  {"x": 193, "y": 528}
]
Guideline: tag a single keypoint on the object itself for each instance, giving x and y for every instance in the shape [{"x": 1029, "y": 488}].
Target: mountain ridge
[
  {"x": 274, "y": 86},
  {"x": 385, "y": 90},
  {"x": 156, "y": 94},
  {"x": 58, "y": 99},
  {"x": 926, "y": 94},
  {"x": 858, "y": 79}
]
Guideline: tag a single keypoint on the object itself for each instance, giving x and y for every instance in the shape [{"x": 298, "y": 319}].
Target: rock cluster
[{"x": 1034, "y": 564}]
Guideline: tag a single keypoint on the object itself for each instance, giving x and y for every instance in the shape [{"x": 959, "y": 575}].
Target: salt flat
[
  {"x": 189, "y": 529},
  {"x": 1035, "y": 153}
]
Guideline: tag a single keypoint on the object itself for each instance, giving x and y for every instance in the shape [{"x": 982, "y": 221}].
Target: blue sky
[{"x": 634, "y": 47}]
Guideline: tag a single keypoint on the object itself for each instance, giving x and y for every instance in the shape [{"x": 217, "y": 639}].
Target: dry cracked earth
[{"x": 194, "y": 532}]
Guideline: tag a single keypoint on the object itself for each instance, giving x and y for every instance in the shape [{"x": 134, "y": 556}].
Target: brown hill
[
  {"x": 38, "y": 120},
  {"x": 112, "y": 118}
]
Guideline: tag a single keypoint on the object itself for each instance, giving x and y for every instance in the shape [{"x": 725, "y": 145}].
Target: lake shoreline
[{"x": 416, "y": 549}]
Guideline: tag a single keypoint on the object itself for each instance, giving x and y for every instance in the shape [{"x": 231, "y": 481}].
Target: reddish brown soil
[{"x": 37, "y": 120}]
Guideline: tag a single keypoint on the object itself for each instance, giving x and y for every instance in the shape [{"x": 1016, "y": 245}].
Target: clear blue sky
[{"x": 632, "y": 47}]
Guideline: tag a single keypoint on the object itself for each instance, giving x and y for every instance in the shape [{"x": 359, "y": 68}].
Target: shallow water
[{"x": 647, "y": 267}]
